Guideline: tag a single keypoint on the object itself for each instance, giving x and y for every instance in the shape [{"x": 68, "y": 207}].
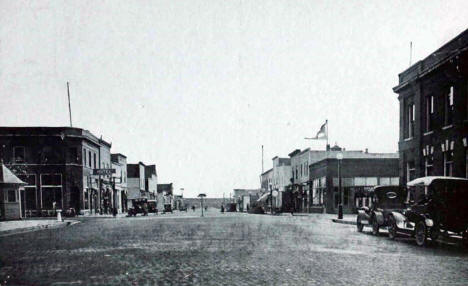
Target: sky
[{"x": 197, "y": 87}]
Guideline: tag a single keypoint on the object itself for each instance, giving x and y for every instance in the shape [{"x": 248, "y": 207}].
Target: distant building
[
  {"x": 245, "y": 197},
  {"x": 360, "y": 171},
  {"x": 434, "y": 113},
  {"x": 266, "y": 179},
  {"x": 57, "y": 165},
  {"x": 136, "y": 182},
  {"x": 151, "y": 181},
  {"x": 281, "y": 179},
  {"x": 119, "y": 163},
  {"x": 165, "y": 195}
]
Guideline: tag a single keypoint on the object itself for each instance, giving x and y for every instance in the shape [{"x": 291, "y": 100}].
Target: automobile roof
[{"x": 426, "y": 181}]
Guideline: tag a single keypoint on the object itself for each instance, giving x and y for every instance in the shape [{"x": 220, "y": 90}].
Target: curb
[
  {"x": 343, "y": 221},
  {"x": 36, "y": 228}
]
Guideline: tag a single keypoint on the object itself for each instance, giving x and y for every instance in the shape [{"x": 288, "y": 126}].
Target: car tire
[
  {"x": 359, "y": 224},
  {"x": 392, "y": 228},
  {"x": 420, "y": 233},
  {"x": 375, "y": 226}
]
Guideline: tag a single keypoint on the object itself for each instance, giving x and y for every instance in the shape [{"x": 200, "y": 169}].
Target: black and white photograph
[{"x": 234, "y": 142}]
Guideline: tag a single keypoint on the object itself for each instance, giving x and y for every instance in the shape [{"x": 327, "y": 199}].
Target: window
[
  {"x": 449, "y": 106},
  {"x": 411, "y": 119},
  {"x": 94, "y": 160},
  {"x": 384, "y": 181},
  {"x": 89, "y": 156},
  {"x": 84, "y": 157},
  {"x": 73, "y": 155},
  {"x": 410, "y": 171},
  {"x": 29, "y": 191},
  {"x": 18, "y": 154},
  {"x": 346, "y": 193},
  {"x": 429, "y": 112},
  {"x": 448, "y": 164},
  {"x": 428, "y": 165},
  {"x": 11, "y": 196},
  {"x": 301, "y": 170},
  {"x": 51, "y": 191}
]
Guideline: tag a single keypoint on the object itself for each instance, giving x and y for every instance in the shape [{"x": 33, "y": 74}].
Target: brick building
[
  {"x": 360, "y": 171},
  {"x": 434, "y": 113},
  {"x": 57, "y": 165}
]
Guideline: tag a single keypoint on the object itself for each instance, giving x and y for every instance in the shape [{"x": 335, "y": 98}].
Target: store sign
[{"x": 103, "y": 171}]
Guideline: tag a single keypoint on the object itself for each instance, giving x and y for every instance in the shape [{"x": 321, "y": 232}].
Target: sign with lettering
[{"x": 103, "y": 171}]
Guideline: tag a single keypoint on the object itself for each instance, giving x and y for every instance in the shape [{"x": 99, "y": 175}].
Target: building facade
[
  {"x": 151, "y": 181},
  {"x": 165, "y": 196},
  {"x": 359, "y": 171},
  {"x": 245, "y": 197},
  {"x": 434, "y": 113},
  {"x": 281, "y": 179},
  {"x": 57, "y": 164},
  {"x": 136, "y": 182},
  {"x": 119, "y": 163}
]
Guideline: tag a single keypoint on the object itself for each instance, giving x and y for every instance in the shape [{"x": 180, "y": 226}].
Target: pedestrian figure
[
  {"x": 222, "y": 208},
  {"x": 193, "y": 208},
  {"x": 114, "y": 212}
]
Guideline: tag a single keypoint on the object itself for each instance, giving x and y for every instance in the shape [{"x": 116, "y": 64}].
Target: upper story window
[
  {"x": 18, "y": 154},
  {"x": 73, "y": 155},
  {"x": 448, "y": 163},
  {"x": 89, "y": 156},
  {"x": 84, "y": 157},
  {"x": 429, "y": 112},
  {"x": 449, "y": 107},
  {"x": 410, "y": 119},
  {"x": 94, "y": 160}
]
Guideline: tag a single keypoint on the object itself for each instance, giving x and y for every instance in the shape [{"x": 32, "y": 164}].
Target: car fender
[
  {"x": 379, "y": 216},
  {"x": 363, "y": 215},
  {"x": 400, "y": 219}
]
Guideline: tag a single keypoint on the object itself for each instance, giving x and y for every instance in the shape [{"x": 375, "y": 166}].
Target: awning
[
  {"x": 264, "y": 197},
  {"x": 8, "y": 178}
]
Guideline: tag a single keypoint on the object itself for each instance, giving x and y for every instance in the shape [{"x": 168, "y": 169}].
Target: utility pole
[
  {"x": 69, "y": 105},
  {"x": 262, "y": 159}
]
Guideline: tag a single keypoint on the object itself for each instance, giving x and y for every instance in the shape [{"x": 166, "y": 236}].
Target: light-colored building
[
  {"x": 151, "y": 181},
  {"x": 245, "y": 197},
  {"x": 119, "y": 163},
  {"x": 135, "y": 182},
  {"x": 281, "y": 179},
  {"x": 165, "y": 196}
]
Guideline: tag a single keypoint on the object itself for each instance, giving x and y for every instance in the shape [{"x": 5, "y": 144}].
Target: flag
[{"x": 322, "y": 133}]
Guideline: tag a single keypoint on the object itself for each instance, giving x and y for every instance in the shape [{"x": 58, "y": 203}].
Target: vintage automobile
[
  {"x": 138, "y": 206},
  {"x": 167, "y": 208},
  {"x": 385, "y": 200},
  {"x": 436, "y": 205}
]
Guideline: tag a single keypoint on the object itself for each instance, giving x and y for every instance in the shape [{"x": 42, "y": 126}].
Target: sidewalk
[
  {"x": 20, "y": 226},
  {"x": 347, "y": 219}
]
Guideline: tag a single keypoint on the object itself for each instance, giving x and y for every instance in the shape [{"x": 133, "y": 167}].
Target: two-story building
[
  {"x": 281, "y": 179},
  {"x": 56, "y": 163},
  {"x": 119, "y": 163},
  {"x": 434, "y": 113}
]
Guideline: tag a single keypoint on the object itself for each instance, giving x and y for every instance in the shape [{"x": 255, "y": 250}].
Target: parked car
[
  {"x": 385, "y": 200},
  {"x": 152, "y": 206},
  {"x": 167, "y": 208},
  {"x": 138, "y": 206},
  {"x": 183, "y": 208},
  {"x": 437, "y": 205}
]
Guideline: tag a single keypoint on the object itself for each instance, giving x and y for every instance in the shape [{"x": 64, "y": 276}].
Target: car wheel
[
  {"x": 359, "y": 225},
  {"x": 392, "y": 228},
  {"x": 420, "y": 233},
  {"x": 375, "y": 226}
]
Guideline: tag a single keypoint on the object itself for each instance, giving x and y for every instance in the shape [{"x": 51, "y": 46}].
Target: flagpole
[{"x": 326, "y": 121}]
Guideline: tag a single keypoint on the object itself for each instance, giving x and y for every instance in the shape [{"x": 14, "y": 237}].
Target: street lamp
[{"x": 339, "y": 157}]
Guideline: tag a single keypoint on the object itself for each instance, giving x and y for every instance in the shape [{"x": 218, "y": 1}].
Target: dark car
[
  {"x": 437, "y": 205},
  {"x": 167, "y": 208},
  {"x": 152, "y": 206},
  {"x": 138, "y": 206},
  {"x": 385, "y": 200}
]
